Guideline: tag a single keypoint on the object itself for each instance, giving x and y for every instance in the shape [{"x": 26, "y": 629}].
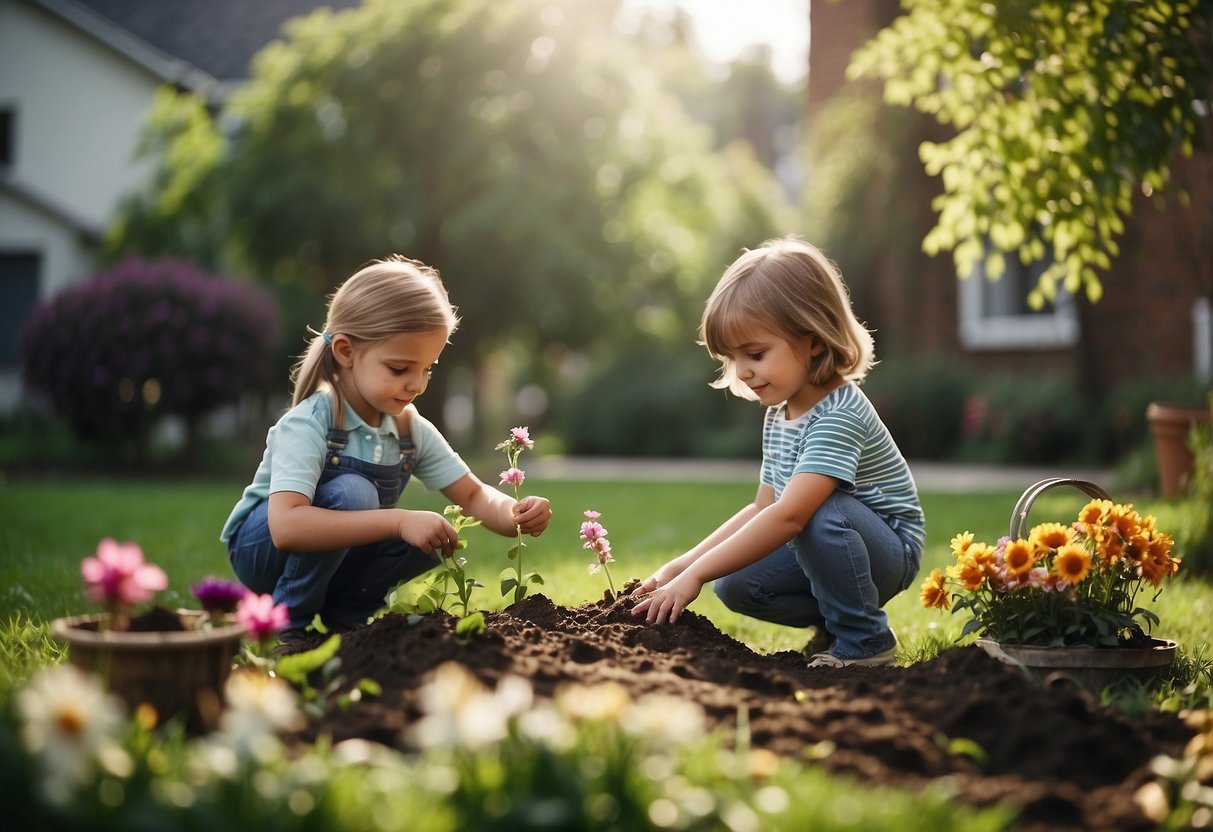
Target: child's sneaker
[
  {"x": 828, "y": 659},
  {"x": 821, "y": 641}
]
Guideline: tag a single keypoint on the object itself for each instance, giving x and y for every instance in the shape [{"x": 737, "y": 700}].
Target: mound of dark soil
[{"x": 1051, "y": 750}]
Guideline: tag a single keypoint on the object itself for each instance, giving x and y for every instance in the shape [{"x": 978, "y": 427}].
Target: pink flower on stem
[
  {"x": 118, "y": 577},
  {"x": 513, "y": 476},
  {"x": 261, "y": 617},
  {"x": 522, "y": 436},
  {"x": 595, "y": 537}
]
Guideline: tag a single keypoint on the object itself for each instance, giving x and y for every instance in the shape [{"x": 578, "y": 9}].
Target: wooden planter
[
  {"x": 176, "y": 672},
  {"x": 1093, "y": 668}
]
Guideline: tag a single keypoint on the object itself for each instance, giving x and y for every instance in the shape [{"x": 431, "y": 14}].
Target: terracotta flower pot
[
  {"x": 1170, "y": 425},
  {"x": 177, "y": 672},
  {"x": 1094, "y": 668}
]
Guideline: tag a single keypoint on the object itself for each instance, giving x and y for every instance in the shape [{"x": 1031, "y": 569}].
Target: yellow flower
[
  {"x": 1019, "y": 557},
  {"x": 1048, "y": 537},
  {"x": 1072, "y": 563},
  {"x": 961, "y": 543},
  {"x": 934, "y": 591}
]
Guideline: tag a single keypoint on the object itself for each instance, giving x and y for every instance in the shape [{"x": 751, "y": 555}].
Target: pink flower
[
  {"x": 513, "y": 476},
  {"x": 117, "y": 576},
  {"x": 260, "y": 616},
  {"x": 522, "y": 436},
  {"x": 595, "y": 537}
]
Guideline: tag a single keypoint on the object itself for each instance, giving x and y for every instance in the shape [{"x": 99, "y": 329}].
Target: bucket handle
[{"x": 1019, "y": 517}]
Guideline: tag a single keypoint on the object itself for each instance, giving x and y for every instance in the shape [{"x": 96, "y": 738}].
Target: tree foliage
[
  {"x": 1062, "y": 111},
  {"x": 522, "y": 148}
]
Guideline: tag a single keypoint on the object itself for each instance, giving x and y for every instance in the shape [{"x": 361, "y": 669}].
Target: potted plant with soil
[
  {"x": 1063, "y": 598},
  {"x": 176, "y": 662}
]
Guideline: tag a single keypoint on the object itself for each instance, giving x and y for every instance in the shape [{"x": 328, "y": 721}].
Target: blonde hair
[
  {"x": 382, "y": 299},
  {"x": 790, "y": 288}
]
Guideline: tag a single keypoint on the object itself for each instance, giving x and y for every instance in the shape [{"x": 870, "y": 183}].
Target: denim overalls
[{"x": 345, "y": 586}]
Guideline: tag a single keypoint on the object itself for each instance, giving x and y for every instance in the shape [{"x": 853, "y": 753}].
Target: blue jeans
[
  {"x": 345, "y": 586},
  {"x": 837, "y": 573}
]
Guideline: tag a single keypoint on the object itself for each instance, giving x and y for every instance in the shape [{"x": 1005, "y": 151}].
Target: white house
[{"x": 77, "y": 79}]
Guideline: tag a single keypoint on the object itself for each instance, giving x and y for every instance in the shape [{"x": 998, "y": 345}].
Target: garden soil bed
[{"x": 1050, "y": 749}]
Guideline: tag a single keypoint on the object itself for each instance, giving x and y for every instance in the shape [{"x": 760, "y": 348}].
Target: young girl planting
[
  {"x": 836, "y": 528},
  {"x": 318, "y": 527}
]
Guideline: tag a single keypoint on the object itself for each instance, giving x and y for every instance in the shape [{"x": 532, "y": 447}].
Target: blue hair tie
[{"x": 328, "y": 337}]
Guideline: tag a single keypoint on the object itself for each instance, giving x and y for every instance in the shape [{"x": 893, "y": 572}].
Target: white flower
[
  {"x": 667, "y": 720},
  {"x": 68, "y": 723},
  {"x": 461, "y": 711},
  {"x": 258, "y": 707}
]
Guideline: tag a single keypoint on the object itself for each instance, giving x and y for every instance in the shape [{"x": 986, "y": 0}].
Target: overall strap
[
  {"x": 336, "y": 439},
  {"x": 407, "y": 452}
]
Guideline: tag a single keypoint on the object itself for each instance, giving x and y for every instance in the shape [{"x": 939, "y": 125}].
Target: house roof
[
  {"x": 46, "y": 205},
  {"x": 196, "y": 43}
]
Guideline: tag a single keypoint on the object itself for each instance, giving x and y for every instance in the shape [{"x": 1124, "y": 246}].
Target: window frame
[{"x": 979, "y": 330}]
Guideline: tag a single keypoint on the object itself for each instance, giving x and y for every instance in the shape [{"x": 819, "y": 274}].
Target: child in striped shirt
[{"x": 836, "y": 528}]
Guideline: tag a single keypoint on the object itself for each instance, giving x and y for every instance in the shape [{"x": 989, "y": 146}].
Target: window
[
  {"x": 8, "y": 125},
  {"x": 18, "y": 295},
  {"x": 994, "y": 314}
]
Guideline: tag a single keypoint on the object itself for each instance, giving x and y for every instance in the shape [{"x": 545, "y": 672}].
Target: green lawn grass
[{"x": 51, "y": 525}]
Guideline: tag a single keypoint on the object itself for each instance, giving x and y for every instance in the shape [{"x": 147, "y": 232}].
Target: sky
[{"x": 726, "y": 28}]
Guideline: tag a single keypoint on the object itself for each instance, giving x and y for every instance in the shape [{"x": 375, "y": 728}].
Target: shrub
[
  {"x": 654, "y": 401},
  {"x": 1024, "y": 420},
  {"x": 145, "y": 339},
  {"x": 921, "y": 400},
  {"x": 1194, "y": 535}
]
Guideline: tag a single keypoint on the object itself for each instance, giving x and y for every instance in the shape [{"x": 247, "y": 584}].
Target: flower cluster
[
  {"x": 1061, "y": 585},
  {"x": 595, "y": 537}
]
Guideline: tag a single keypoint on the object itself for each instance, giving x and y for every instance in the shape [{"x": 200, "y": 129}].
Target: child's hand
[
  {"x": 661, "y": 577},
  {"x": 428, "y": 531},
  {"x": 531, "y": 514},
  {"x": 666, "y": 603}
]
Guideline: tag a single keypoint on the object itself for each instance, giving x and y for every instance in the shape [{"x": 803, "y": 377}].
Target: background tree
[
  {"x": 1061, "y": 112},
  {"x": 522, "y": 148}
]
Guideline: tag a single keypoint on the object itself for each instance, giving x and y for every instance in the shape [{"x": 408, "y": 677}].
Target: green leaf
[
  {"x": 507, "y": 584},
  {"x": 515, "y": 551},
  {"x": 296, "y": 667},
  {"x": 470, "y": 625}
]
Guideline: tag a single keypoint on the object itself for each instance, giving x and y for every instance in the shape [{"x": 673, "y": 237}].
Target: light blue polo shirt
[{"x": 296, "y": 448}]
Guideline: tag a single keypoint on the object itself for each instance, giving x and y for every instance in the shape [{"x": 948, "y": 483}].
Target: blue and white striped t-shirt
[{"x": 843, "y": 437}]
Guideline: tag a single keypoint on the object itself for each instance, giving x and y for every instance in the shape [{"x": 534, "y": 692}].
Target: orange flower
[
  {"x": 1050, "y": 536},
  {"x": 1072, "y": 563},
  {"x": 1157, "y": 562},
  {"x": 934, "y": 591},
  {"x": 1018, "y": 557},
  {"x": 970, "y": 572},
  {"x": 1093, "y": 512}
]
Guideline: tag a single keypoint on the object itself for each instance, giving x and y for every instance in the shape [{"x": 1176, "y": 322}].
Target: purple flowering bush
[{"x": 143, "y": 339}]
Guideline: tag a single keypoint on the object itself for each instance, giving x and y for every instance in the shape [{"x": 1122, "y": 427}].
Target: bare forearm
[
  {"x": 493, "y": 509},
  {"x": 754, "y": 538},
  {"x": 311, "y": 529}
]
